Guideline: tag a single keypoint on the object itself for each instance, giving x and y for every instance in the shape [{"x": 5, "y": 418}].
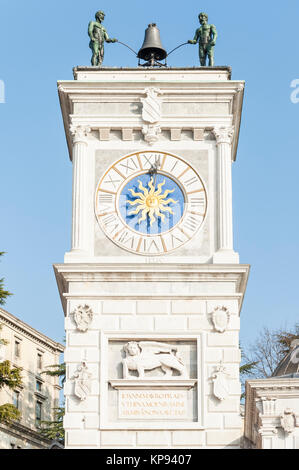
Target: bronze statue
[
  {"x": 206, "y": 37},
  {"x": 98, "y": 35}
]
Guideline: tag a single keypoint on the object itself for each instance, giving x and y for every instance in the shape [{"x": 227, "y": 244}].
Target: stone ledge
[{"x": 143, "y": 384}]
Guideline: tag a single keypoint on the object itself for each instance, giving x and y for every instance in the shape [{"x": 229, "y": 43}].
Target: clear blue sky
[{"x": 41, "y": 42}]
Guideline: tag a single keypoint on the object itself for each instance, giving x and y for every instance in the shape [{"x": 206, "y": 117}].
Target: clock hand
[{"x": 154, "y": 170}]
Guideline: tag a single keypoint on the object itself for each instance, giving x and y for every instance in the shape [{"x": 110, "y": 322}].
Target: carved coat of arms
[
  {"x": 83, "y": 316},
  {"x": 220, "y": 383},
  {"x": 220, "y": 317},
  {"x": 82, "y": 378},
  {"x": 151, "y": 109},
  {"x": 288, "y": 420}
]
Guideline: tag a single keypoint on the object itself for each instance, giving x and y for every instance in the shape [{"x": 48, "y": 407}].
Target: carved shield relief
[{"x": 220, "y": 317}]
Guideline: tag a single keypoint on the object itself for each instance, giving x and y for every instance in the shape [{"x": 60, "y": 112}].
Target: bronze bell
[{"x": 152, "y": 50}]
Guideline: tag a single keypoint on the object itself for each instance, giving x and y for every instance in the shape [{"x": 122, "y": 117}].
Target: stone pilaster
[
  {"x": 80, "y": 185},
  {"x": 225, "y": 253}
]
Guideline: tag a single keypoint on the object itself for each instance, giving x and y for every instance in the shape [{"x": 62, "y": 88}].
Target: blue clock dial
[{"x": 151, "y": 204}]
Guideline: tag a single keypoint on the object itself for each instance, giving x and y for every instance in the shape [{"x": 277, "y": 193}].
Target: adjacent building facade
[{"x": 39, "y": 393}]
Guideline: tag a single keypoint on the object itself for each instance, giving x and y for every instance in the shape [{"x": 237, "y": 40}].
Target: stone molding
[
  {"x": 136, "y": 272},
  {"x": 32, "y": 437},
  {"x": 154, "y": 384}
]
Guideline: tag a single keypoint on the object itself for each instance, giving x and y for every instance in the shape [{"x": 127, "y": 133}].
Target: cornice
[
  {"x": 181, "y": 90},
  {"x": 18, "y": 325},
  {"x": 141, "y": 272},
  {"x": 20, "y": 431}
]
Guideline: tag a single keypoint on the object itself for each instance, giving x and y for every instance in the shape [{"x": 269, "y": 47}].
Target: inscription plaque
[{"x": 152, "y": 404}]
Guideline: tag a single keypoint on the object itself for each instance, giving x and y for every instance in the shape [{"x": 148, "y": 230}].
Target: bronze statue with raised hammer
[
  {"x": 98, "y": 35},
  {"x": 206, "y": 37}
]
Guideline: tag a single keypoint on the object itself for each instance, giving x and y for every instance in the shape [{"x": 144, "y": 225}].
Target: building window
[
  {"x": 38, "y": 386},
  {"x": 17, "y": 348},
  {"x": 16, "y": 399},
  {"x": 38, "y": 413},
  {"x": 39, "y": 360}
]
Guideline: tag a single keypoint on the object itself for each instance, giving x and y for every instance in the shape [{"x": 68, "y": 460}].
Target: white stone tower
[{"x": 152, "y": 288}]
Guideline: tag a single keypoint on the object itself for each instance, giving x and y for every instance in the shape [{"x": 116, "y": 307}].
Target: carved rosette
[
  {"x": 82, "y": 379},
  {"x": 223, "y": 135},
  {"x": 83, "y": 316},
  {"x": 220, "y": 383},
  {"x": 79, "y": 133},
  {"x": 220, "y": 318}
]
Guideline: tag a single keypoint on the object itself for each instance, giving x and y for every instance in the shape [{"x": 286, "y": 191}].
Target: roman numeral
[
  {"x": 157, "y": 159},
  {"x": 125, "y": 238},
  {"x": 190, "y": 181},
  {"x": 110, "y": 221},
  {"x": 173, "y": 238},
  {"x": 105, "y": 198},
  {"x": 147, "y": 245},
  {"x": 112, "y": 181},
  {"x": 190, "y": 223},
  {"x": 127, "y": 166},
  {"x": 197, "y": 202}
]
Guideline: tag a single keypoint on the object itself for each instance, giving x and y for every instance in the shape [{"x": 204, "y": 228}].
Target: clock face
[{"x": 150, "y": 202}]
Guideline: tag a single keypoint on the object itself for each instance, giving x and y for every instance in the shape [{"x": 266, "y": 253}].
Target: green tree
[
  {"x": 10, "y": 377},
  {"x": 54, "y": 429},
  {"x": 3, "y": 293}
]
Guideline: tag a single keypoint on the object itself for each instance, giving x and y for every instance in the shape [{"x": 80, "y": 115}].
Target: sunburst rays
[{"x": 151, "y": 202}]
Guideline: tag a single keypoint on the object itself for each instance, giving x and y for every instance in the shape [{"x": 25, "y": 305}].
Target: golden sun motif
[{"x": 151, "y": 202}]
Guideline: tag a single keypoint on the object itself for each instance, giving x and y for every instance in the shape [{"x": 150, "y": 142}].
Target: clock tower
[{"x": 152, "y": 288}]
